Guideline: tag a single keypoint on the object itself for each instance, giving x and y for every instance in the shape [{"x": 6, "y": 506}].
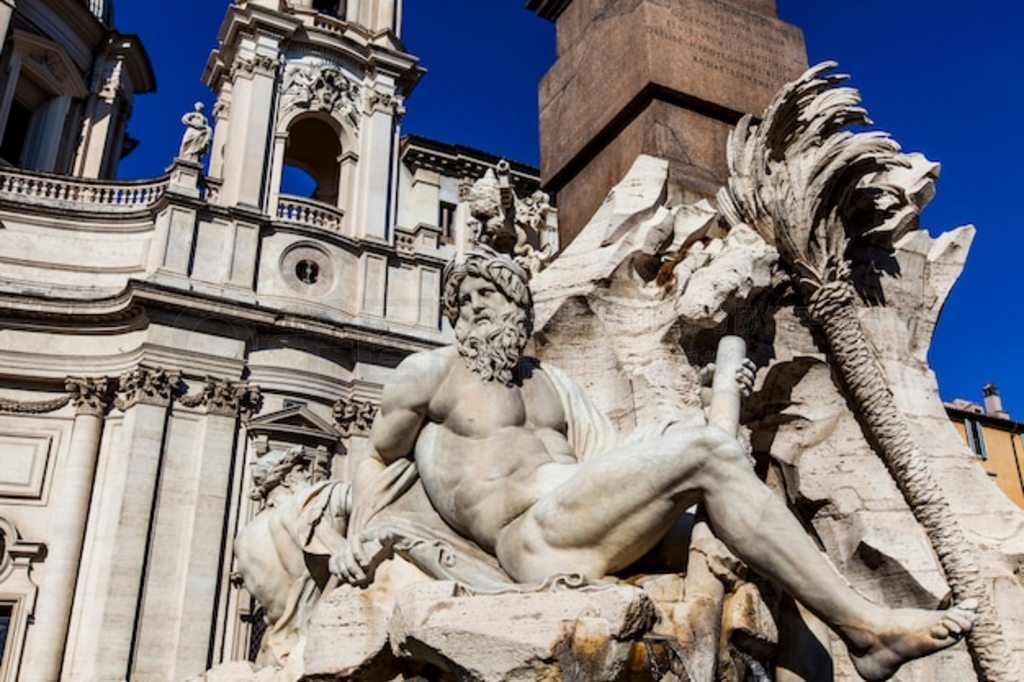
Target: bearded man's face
[{"x": 491, "y": 330}]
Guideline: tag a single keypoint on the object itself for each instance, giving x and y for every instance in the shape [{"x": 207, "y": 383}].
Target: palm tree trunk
[{"x": 832, "y": 306}]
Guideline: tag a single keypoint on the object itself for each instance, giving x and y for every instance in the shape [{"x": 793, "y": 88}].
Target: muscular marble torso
[{"x": 487, "y": 452}]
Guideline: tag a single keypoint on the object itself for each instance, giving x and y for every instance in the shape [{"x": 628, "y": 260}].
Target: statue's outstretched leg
[{"x": 610, "y": 510}]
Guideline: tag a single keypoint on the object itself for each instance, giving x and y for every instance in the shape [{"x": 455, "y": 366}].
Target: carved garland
[{"x": 12, "y": 406}]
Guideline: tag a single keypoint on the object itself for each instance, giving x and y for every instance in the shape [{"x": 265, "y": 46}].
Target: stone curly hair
[
  {"x": 271, "y": 470},
  {"x": 501, "y": 271}
]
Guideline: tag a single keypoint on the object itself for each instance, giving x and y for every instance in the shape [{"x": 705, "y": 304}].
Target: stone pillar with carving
[
  {"x": 378, "y": 141},
  {"x": 69, "y": 509},
  {"x": 188, "y": 541},
  {"x": 106, "y": 611},
  {"x": 102, "y": 113},
  {"x": 253, "y": 79}
]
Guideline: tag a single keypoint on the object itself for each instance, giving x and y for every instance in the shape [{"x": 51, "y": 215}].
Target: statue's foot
[{"x": 906, "y": 634}]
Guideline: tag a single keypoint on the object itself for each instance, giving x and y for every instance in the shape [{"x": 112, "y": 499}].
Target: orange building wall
[{"x": 1005, "y": 451}]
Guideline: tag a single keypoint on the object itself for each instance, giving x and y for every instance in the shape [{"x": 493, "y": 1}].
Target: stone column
[
  {"x": 69, "y": 509},
  {"x": 108, "y": 615},
  {"x": 277, "y": 172},
  {"x": 374, "y": 191},
  {"x": 221, "y": 130},
  {"x": 180, "y": 604},
  {"x": 12, "y": 85},
  {"x": 254, "y": 77},
  {"x": 56, "y": 113},
  {"x": 100, "y": 121}
]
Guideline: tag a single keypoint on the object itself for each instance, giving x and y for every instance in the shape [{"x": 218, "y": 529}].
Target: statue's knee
[{"x": 722, "y": 447}]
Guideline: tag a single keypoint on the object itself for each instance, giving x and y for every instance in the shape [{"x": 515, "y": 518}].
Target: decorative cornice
[
  {"x": 148, "y": 386},
  {"x": 354, "y": 417},
  {"x": 92, "y": 396}
]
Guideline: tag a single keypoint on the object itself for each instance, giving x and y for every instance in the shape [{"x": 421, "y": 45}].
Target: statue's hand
[
  {"x": 744, "y": 380},
  {"x": 363, "y": 553},
  {"x": 707, "y": 375},
  {"x": 745, "y": 377}
]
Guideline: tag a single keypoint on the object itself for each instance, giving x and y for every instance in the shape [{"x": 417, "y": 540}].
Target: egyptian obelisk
[{"x": 668, "y": 78}]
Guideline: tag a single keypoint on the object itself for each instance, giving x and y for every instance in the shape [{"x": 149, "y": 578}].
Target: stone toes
[{"x": 940, "y": 632}]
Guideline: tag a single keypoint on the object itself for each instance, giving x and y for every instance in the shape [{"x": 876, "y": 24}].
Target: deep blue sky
[{"x": 943, "y": 76}]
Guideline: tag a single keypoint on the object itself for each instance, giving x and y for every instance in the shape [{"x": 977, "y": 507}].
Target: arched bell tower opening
[{"x": 313, "y": 146}]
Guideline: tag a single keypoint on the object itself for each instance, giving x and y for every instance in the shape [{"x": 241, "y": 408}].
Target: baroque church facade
[{"x": 159, "y": 336}]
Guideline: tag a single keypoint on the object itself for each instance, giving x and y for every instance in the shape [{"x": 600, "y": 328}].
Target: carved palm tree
[{"x": 816, "y": 190}]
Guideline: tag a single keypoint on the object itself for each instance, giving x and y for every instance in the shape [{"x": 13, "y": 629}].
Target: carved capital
[
  {"x": 385, "y": 102},
  {"x": 354, "y": 417},
  {"x": 149, "y": 386},
  {"x": 89, "y": 395},
  {"x": 227, "y": 398},
  {"x": 257, "y": 65}
]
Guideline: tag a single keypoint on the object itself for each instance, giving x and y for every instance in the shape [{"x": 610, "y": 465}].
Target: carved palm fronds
[{"x": 817, "y": 191}]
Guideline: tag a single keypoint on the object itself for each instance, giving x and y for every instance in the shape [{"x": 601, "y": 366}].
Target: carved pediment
[
  {"x": 295, "y": 424},
  {"x": 49, "y": 64}
]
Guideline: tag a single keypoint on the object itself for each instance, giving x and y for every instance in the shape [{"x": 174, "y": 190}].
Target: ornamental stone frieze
[
  {"x": 149, "y": 386},
  {"x": 322, "y": 87},
  {"x": 226, "y": 398},
  {"x": 354, "y": 417}
]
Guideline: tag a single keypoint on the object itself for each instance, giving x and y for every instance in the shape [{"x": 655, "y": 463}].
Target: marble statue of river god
[{"x": 514, "y": 457}]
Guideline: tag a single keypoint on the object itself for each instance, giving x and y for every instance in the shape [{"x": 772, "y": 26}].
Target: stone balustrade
[
  {"x": 101, "y": 196},
  {"x": 300, "y": 211},
  {"x": 329, "y": 24}
]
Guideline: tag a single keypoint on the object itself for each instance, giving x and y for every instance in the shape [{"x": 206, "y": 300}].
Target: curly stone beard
[{"x": 492, "y": 346}]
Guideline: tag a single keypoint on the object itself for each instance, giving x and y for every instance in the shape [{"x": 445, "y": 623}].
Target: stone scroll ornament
[{"x": 817, "y": 192}]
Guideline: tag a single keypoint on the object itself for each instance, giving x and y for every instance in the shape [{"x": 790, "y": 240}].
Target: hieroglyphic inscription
[{"x": 738, "y": 44}]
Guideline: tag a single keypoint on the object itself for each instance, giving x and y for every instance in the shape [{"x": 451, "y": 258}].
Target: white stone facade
[{"x": 158, "y": 336}]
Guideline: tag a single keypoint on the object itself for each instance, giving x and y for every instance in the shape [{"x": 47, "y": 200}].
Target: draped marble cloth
[{"x": 396, "y": 501}]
